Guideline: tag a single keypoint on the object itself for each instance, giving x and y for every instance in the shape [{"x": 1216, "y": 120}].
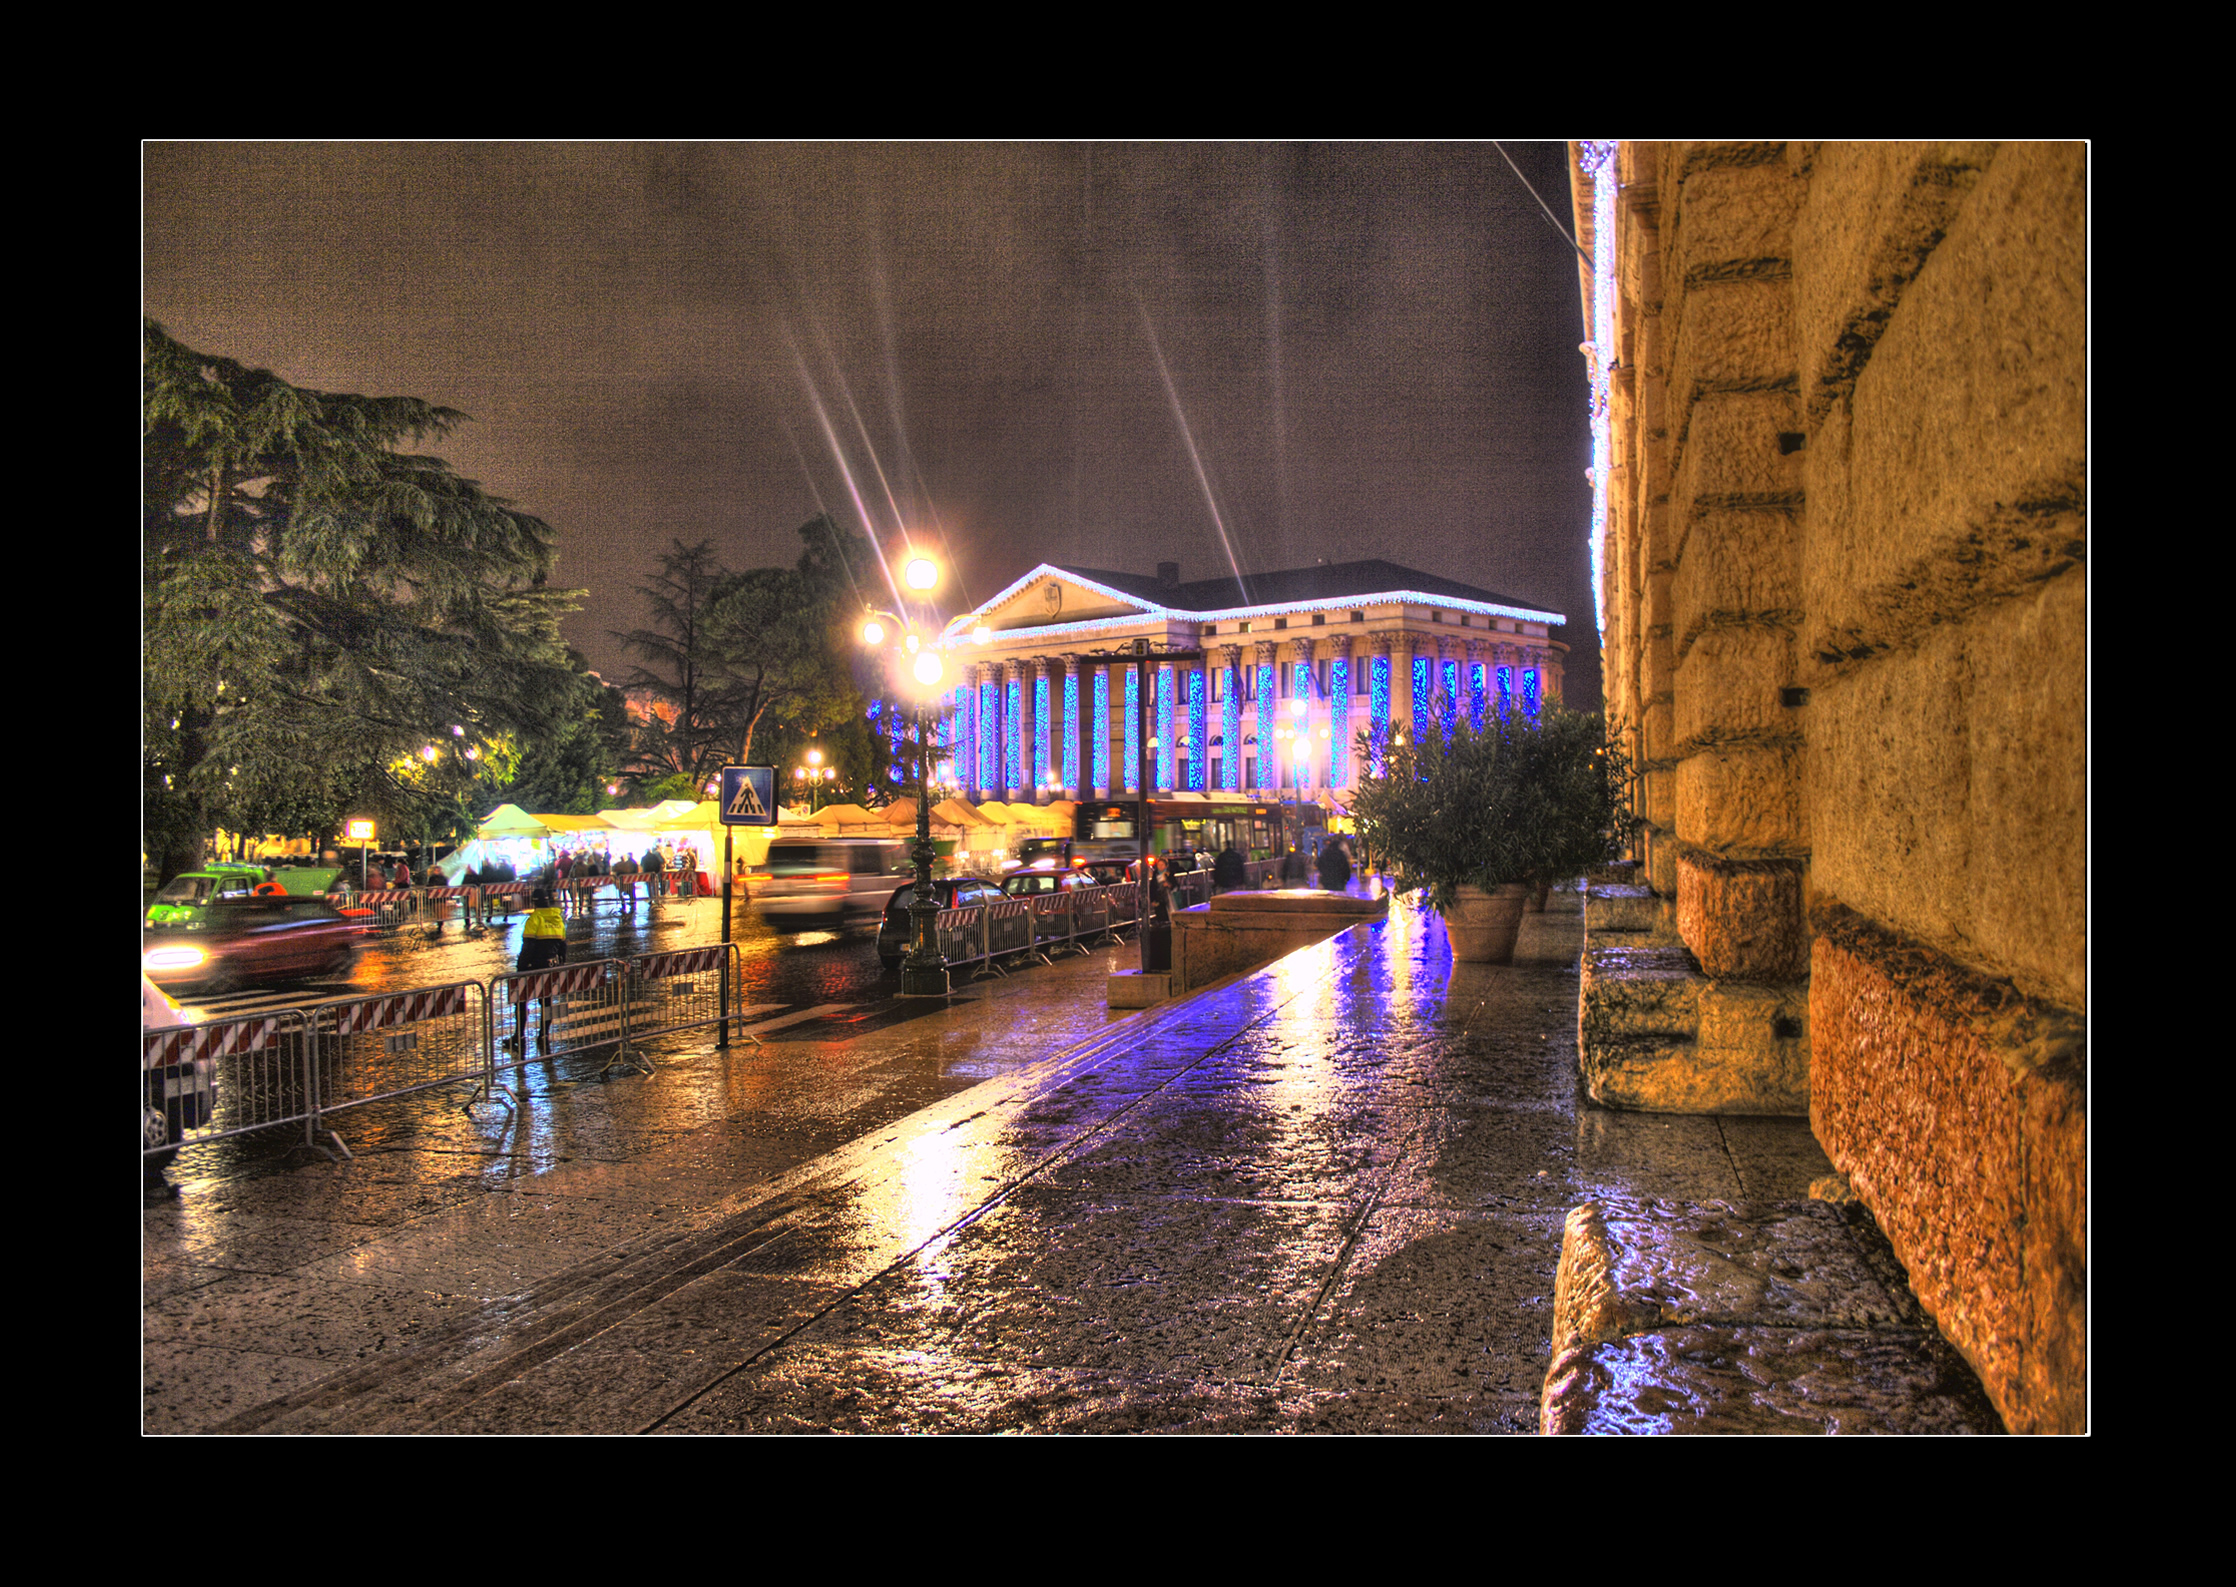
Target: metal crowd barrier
[
  {"x": 569, "y": 1008},
  {"x": 369, "y": 1049},
  {"x": 681, "y": 989},
  {"x": 302, "y": 1066},
  {"x": 205, "y": 1082},
  {"x": 394, "y": 908}
]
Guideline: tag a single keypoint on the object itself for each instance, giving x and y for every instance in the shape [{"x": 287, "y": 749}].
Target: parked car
[
  {"x": 831, "y": 880},
  {"x": 1023, "y": 884},
  {"x": 251, "y": 941},
  {"x": 949, "y": 892},
  {"x": 185, "y": 896}
]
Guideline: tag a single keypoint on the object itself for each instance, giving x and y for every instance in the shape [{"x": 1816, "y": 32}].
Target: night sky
[{"x": 1372, "y": 346}]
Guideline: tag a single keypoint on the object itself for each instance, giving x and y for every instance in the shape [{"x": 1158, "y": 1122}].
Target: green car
[{"x": 187, "y": 895}]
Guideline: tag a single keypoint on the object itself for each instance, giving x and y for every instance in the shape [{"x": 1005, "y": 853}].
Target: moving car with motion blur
[
  {"x": 949, "y": 892},
  {"x": 827, "y": 881},
  {"x": 252, "y": 941},
  {"x": 185, "y": 896}
]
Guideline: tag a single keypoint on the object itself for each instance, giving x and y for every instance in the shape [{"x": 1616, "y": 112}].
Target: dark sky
[{"x": 1374, "y": 346}]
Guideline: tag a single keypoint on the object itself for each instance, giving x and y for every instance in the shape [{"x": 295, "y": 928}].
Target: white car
[{"x": 171, "y": 1098}]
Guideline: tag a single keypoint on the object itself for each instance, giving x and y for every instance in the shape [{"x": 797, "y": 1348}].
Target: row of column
[{"x": 1070, "y": 727}]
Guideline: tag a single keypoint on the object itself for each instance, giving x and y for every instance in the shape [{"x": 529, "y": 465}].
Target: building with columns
[{"x": 1044, "y": 704}]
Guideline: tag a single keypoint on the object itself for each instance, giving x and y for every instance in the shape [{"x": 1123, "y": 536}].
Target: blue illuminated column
[
  {"x": 1230, "y": 718},
  {"x": 1339, "y": 713},
  {"x": 1448, "y": 688},
  {"x": 982, "y": 716},
  {"x": 1424, "y": 704},
  {"x": 1042, "y": 759},
  {"x": 1013, "y": 737},
  {"x": 1378, "y": 695},
  {"x": 1098, "y": 746},
  {"x": 1133, "y": 730},
  {"x": 1165, "y": 746},
  {"x": 1530, "y": 699},
  {"x": 1071, "y": 727},
  {"x": 1504, "y": 673},
  {"x": 1199, "y": 731},
  {"x": 1475, "y": 684},
  {"x": 1269, "y": 756}
]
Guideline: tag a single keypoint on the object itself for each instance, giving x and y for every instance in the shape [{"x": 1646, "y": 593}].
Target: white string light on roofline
[{"x": 1597, "y": 157}]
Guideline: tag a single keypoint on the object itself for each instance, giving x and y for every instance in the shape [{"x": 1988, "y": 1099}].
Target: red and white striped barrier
[
  {"x": 681, "y": 961},
  {"x": 402, "y": 1008},
  {"x": 533, "y": 986},
  {"x": 189, "y": 1043}
]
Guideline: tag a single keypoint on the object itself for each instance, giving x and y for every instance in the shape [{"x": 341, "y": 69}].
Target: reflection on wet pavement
[{"x": 1327, "y": 1196}]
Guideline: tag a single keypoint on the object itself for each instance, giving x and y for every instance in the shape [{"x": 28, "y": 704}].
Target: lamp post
[{"x": 923, "y": 971}]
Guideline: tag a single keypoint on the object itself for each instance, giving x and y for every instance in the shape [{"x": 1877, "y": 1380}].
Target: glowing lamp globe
[
  {"x": 927, "y": 668},
  {"x": 922, "y": 573},
  {"x": 873, "y": 632}
]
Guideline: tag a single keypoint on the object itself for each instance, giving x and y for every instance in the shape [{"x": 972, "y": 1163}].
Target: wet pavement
[{"x": 1327, "y": 1196}]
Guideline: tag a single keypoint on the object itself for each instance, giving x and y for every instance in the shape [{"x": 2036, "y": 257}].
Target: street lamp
[{"x": 923, "y": 971}]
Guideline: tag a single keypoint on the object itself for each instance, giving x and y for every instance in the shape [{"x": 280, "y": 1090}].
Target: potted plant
[{"x": 1475, "y": 820}]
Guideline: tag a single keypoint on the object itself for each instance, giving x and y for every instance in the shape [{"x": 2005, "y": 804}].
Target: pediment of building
[{"x": 1048, "y": 595}]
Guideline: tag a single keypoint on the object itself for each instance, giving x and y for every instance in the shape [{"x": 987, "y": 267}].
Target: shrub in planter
[{"x": 1477, "y": 820}]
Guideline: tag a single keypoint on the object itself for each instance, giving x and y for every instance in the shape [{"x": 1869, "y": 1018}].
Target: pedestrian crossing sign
[{"x": 749, "y": 796}]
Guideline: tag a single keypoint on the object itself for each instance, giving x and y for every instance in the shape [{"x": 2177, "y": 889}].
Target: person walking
[
  {"x": 655, "y": 874},
  {"x": 543, "y": 946},
  {"x": 625, "y": 883},
  {"x": 1295, "y": 870},
  {"x": 1228, "y": 871},
  {"x": 1335, "y": 866}
]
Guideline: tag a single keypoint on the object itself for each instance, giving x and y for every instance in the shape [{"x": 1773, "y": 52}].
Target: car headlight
[{"x": 173, "y": 957}]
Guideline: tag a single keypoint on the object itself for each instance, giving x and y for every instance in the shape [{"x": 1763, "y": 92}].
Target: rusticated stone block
[
  {"x": 1732, "y": 683},
  {"x": 1732, "y": 454},
  {"x": 1740, "y": 562},
  {"x": 1948, "y": 788},
  {"x": 1873, "y": 215},
  {"x": 1742, "y": 797},
  {"x": 1731, "y": 335},
  {"x": 1734, "y": 215},
  {"x": 1661, "y": 852},
  {"x": 1959, "y": 473},
  {"x": 1743, "y": 919},
  {"x": 1955, "y": 1106}
]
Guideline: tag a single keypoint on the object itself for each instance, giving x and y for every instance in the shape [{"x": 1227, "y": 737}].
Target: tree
[
  {"x": 690, "y": 727},
  {"x": 321, "y": 601}
]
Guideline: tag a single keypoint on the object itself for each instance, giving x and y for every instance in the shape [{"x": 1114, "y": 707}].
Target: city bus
[{"x": 1105, "y": 830}]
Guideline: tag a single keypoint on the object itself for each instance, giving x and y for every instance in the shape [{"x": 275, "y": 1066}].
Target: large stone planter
[{"x": 1483, "y": 925}]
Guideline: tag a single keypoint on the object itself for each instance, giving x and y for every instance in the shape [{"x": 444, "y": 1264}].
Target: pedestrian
[
  {"x": 470, "y": 881},
  {"x": 543, "y": 946},
  {"x": 1227, "y": 872},
  {"x": 625, "y": 882},
  {"x": 1294, "y": 868},
  {"x": 1335, "y": 867}
]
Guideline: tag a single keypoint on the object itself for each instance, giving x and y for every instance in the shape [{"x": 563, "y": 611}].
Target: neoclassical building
[{"x": 1046, "y": 704}]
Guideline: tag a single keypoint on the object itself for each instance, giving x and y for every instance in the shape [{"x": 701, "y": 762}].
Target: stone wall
[{"x": 1845, "y": 584}]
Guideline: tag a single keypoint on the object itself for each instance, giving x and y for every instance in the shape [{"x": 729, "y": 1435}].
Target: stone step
[
  {"x": 1731, "y": 1317},
  {"x": 1655, "y": 1034}
]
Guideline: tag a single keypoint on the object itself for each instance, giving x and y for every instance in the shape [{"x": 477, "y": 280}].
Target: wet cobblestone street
[{"x": 1326, "y": 1196}]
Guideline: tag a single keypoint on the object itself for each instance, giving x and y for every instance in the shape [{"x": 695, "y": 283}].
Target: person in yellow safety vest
[{"x": 543, "y": 944}]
